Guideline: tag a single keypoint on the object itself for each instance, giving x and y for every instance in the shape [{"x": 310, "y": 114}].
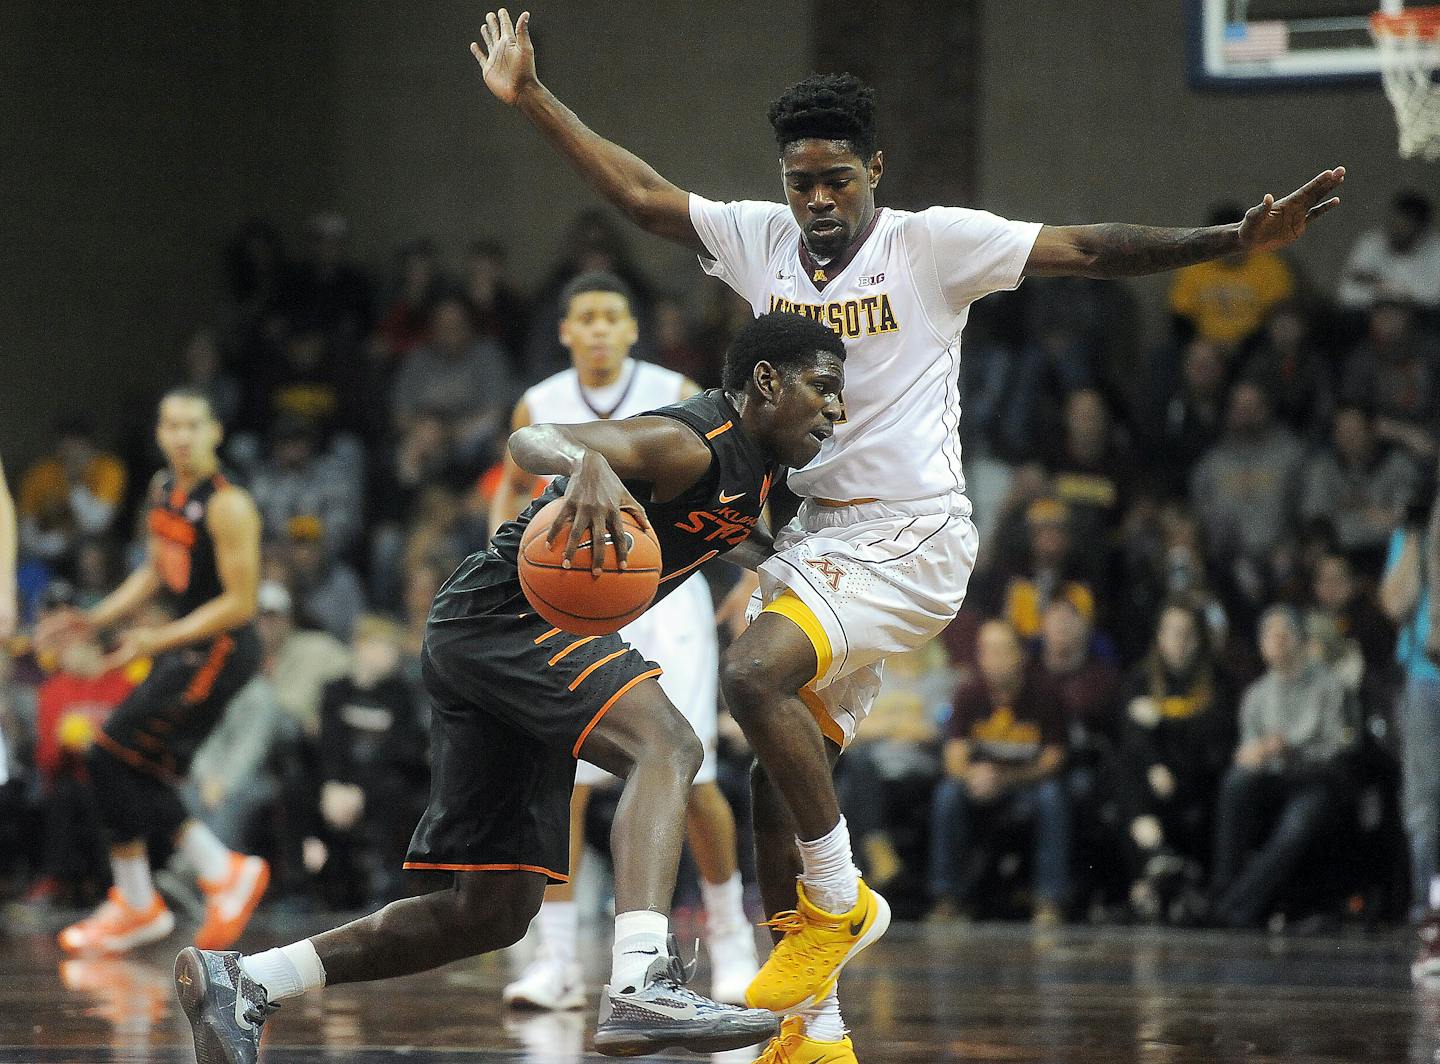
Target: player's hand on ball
[
  {"x": 595, "y": 498},
  {"x": 1272, "y": 223},
  {"x": 508, "y": 58}
]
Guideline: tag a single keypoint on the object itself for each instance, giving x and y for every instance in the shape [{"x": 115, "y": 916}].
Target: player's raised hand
[
  {"x": 508, "y": 58},
  {"x": 1272, "y": 223}
]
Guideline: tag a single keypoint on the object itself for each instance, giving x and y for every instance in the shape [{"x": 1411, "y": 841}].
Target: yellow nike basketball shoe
[
  {"x": 817, "y": 944},
  {"x": 791, "y": 1046}
]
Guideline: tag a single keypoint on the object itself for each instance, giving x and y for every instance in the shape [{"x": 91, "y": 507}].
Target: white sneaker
[
  {"x": 549, "y": 983},
  {"x": 733, "y": 964}
]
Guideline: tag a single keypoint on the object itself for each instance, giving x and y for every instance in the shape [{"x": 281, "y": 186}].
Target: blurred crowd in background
[{"x": 1190, "y": 683}]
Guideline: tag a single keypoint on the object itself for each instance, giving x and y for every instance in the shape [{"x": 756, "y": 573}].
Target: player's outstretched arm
[
  {"x": 1115, "y": 250},
  {"x": 626, "y": 181},
  {"x": 598, "y": 457}
]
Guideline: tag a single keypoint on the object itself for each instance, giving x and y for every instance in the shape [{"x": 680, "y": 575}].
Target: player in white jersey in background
[
  {"x": 878, "y": 558},
  {"x": 605, "y": 382}
]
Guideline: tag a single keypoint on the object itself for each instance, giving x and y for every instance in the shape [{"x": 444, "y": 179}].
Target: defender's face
[
  {"x": 831, "y": 192},
  {"x": 598, "y": 330},
  {"x": 807, "y": 405},
  {"x": 187, "y": 432}
]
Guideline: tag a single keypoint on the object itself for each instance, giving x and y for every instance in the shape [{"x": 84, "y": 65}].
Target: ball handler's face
[
  {"x": 598, "y": 330},
  {"x": 187, "y": 433},
  {"x": 831, "y": 192},
  {"x": 803, "y": 406}
]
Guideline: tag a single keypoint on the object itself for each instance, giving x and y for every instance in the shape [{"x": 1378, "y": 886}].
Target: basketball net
[{"x": 1409, "y": 47}]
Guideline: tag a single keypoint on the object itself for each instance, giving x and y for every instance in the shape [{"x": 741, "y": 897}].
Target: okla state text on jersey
[{"x": 850, "y": 318}]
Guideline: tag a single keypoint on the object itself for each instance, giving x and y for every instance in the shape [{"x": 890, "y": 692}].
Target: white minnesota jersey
[
  {"x": 899, "y": 298},
  {"x": 641, "y": 386}
]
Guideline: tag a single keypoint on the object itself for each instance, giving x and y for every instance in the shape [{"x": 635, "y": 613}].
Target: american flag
[{"x": 1252, "y": 41}]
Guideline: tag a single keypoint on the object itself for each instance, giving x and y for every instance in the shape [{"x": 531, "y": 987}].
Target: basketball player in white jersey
[
  {"x": 599, "y": 330},
  {"x": 878, "y": 557}
]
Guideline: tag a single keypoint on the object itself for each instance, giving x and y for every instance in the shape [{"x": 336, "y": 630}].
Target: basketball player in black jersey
[
  {"x": 517, "y": 701},
  {"x": 203, "y": 562}
]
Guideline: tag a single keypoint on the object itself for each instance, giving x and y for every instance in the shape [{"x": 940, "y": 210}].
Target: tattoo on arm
[{"x": 1120, "y": 250}]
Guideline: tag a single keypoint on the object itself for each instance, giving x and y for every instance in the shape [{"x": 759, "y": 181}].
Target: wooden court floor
[{"x": 988, "y": 993}]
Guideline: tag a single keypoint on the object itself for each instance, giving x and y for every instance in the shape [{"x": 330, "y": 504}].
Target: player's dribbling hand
[
  {"x": 508, "y": 58},
  {"x": 134, "y": 644},
  {"x": 1272, "y": 223},
  {"x": 595, "y": 499}
]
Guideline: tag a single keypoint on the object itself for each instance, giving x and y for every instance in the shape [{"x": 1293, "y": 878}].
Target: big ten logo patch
[{"x": 828, "y": 570}]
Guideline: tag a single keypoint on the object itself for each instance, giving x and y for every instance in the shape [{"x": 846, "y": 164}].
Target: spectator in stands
[
  {"x": 1395, "y": 373},
  {"x": 1357, "y": 639},
  {"x": 1399, "y": 260},
  {"x": 1288, "y": 776},
  {"x": 893, "y": 764},
  {"x": 1164, "y": 558},
  {"x": 462, "y": 379},
  {"x": 259, "y": 277},
  {"x": 1020, "y": 591},
  {"x": 68, "y": 495},
  {"x": 1226, "y": 300},
  {"x": 1406, "y": 594},
  {"x": 1285, "y": 362},
  {"x": 299, "y": 380},
  {"x": 299, "y": 662},
  {"x": 373, "y": 763},
  {"x": 326, "y": 592},
  {"x": 1003, "y": 761},
  {"x": 203, "y": 368},
  {"x": 1188, "y": 419},
  {"x": 1087, "y": 685},
  {"x": 404, "y": 323},
  {"x": 298, "y": 479},
  {"x": 1244, "y": 490},
  {"x": 1094, "y": 471},
  {"x": 674, "y": 348},
  {"x": 501, "y": 312},
  {"x": 1359, "y": 488},
  {"x": 329, "y": 288},
  {"x": 1176, "y": 740}
]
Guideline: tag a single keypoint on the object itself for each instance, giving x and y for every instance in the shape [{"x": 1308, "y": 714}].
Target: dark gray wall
[{"x": 1086, "y": 116}]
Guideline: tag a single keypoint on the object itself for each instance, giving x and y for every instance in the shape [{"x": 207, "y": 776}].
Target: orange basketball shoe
[
  {"x": 792, "y": 1046},
  {"x": 116, "y": 927},
  {"x": 817, "y": 944},
  {"x": 230, "y": 904}
]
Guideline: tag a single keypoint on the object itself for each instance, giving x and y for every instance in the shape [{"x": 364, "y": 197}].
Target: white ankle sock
[
  {"x": 132, "y": 880},
  {"x": 639, "y": 938},
  {"x": 559, "y": 925},
  {"x": 286, "y": 972},
  {"x": 822, "y": 1021},
  {"x": 832, "y": 882},
  {"x": 724, "y": 906},
  {"x": 207, "y": 855}
]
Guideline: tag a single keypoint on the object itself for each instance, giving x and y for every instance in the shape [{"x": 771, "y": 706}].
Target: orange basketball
[{"x": 576, "y": 599}]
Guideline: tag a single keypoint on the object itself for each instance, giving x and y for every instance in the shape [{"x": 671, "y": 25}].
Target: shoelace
[{"x": 787, "y": 922}]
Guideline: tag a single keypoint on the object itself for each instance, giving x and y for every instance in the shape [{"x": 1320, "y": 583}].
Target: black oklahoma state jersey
[
  {"x": 717, "y": 513},
  {"x": 184, "y": 551}
]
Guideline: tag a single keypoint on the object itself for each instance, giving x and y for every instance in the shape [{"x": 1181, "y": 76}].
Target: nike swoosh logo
[
  {"x": 860, "y": 923},
  {"x": 732, "y": 498},
  {"x": 645, "y": 952}
]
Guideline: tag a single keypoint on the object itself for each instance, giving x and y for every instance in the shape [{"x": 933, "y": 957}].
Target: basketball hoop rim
[{"x": 1414, "y": 23}]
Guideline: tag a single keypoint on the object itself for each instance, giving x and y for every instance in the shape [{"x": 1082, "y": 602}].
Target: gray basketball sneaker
[
  {"x": 225, "y": 1007},
  {"x": 666, "y": 1014}
]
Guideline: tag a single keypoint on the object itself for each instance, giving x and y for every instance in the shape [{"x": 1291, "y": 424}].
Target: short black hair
[
  {"x": 1413, "y": 205},
  {"x": 789, "y": 342},
  {"x": 596, "y": 281},
  {"x": 827, "y": 107}
]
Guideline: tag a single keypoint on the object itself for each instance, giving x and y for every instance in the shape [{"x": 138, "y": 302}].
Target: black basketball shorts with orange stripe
[
  {"x": 514, "y": 700},
  {"x": 161, "y": 724}
]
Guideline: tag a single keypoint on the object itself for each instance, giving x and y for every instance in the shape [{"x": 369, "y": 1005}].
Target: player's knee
[
  {"x": 748, "y": 684},
  {"x": 492, "y": 912},
  {"x": 675, "y": 743}
]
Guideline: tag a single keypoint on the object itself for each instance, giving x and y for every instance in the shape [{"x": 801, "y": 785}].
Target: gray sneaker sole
[
  {"x": 192, "y": 986},
  {"x": 637, "y": 1042}
]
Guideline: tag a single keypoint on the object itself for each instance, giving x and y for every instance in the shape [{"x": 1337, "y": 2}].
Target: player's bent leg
[
  {"x": 836, "y": 914},
  {"x": 646, "y": 1007},
  {"x": 227, "y": 997},
  {"x": 553, "y": 979},
  {"x": 710, "y": 827}
]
